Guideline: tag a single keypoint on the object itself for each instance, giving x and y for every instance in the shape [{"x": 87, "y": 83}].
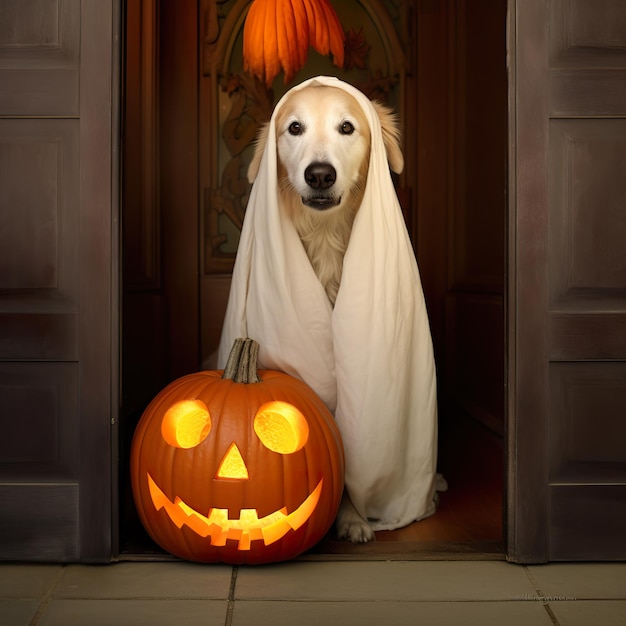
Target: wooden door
[
  {"x": 567, "y": 280},
  {"x": 58, "y": 370}
]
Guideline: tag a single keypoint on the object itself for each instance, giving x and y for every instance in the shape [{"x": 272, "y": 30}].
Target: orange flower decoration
[{"x": 277, "y": 34}]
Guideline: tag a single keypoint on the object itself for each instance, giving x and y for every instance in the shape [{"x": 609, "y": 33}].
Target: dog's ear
[
  {"x": 391, "y": 136},
  {"x": 259, "y": 147}
]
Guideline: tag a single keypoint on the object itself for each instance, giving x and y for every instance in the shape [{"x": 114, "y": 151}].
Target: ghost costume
[{"x": 370, "y": 357}]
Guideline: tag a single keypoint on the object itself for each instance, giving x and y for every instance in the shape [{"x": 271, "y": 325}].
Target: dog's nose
[{"x": 320, "y": 175}]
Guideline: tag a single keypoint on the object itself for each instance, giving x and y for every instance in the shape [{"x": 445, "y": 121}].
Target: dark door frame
[{"x": 513, "y": 526}]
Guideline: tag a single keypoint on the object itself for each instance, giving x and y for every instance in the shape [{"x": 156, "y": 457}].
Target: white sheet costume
[{"x": 370, "y": 358}]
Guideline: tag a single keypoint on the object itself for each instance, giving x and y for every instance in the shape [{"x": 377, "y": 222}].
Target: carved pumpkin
[{"x": 236, "y": 467}]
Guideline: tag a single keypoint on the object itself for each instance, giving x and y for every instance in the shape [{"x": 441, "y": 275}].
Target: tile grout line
[
  {"x": 45, "y": 600},
  {"x": 230, "y": 606},
  {"x": 542, "y": 598}
]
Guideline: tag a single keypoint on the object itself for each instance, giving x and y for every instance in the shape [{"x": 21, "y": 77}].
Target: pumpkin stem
[{"x": 242, "y": 362}]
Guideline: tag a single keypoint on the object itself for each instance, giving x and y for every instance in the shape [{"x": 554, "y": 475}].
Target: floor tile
[
  {"x": 145, "y": 580},
  {"x": 17, "y": 612},
  {"x": 273, "y": 613},
  {"x": 583, "y": 613},
  {"x": 27, "y": 581},
  {"x": 134, "y": 613},
  {"x": 579, "y": 581},
  {"x": 417, "y": 580}
]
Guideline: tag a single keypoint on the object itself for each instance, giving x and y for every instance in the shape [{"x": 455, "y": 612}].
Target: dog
[
  {"x": 323, "y": 146},
  {"x": 327, "y": 283},
  {"x": 323, "y": 142}
]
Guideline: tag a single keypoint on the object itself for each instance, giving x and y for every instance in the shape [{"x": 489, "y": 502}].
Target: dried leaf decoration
[{"x": 277, "y": 35}]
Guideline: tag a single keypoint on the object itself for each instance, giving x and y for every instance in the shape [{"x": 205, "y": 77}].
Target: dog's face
[{"x": 323, "y": 142}]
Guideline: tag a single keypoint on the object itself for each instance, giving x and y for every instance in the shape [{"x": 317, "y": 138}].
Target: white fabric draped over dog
[{"x": 370, "y": 358}]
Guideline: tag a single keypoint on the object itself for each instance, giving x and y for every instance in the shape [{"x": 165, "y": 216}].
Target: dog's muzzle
[{"x": 320, "y": 177}]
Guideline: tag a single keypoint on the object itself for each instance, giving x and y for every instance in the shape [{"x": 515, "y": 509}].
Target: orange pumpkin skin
[{"x": 275, "y": 482}]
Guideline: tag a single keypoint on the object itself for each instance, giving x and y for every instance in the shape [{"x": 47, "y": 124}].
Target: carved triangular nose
[{"x": 232, "y": 465}]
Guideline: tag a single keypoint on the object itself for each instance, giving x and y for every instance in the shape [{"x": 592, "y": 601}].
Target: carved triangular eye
[
  {"x": 186, "y": 424},
  {"x": 281, "y": 427}
]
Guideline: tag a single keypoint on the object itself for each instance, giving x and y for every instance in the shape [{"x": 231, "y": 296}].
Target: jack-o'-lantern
[{"x": 237, "y": 466}]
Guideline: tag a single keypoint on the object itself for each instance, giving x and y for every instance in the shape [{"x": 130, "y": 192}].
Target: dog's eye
[
  {"x": 347, "y": 128},
  {"x": 295, "y": 128}
]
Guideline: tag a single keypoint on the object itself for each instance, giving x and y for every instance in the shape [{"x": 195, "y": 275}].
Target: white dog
[
  {"x": 323, "y": 140},
  {"x": 322, "y": 185}
]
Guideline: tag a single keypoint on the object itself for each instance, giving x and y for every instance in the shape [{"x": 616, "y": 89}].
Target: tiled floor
[{"x": 311, "y": 593}]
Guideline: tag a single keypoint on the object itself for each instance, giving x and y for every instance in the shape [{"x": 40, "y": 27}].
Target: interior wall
[
  {"x": 160, "y": 240},
  {"x": 462, "y": 199},
  {"x": 475, "y": 291}
]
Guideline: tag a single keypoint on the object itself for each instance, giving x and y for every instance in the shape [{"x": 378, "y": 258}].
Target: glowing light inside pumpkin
[
  {"x": 249, "y": 527},
  {"x": 281, "y": 427},
  {"x": 186, "y": 424},
  {"x": 232, "y": 465}
]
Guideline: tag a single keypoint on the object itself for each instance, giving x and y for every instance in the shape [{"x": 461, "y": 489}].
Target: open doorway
[{"x": 454, "y": 104}]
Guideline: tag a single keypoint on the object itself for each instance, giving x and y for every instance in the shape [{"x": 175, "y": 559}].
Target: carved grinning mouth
[{"x": 246, "y": 529}]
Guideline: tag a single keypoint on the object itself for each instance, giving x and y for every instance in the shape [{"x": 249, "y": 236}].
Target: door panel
[
  {"x": 56, "y": 285},
  {"x": 39, "y": 57},
  {"x": 587, "y": 225},
  {"x": 568, "y": 282},
  {"x": 588, "y": 430},
  {"x": 42, "y": 522},
  {"x": 42, "y": 438},
  {"x": 586, "y": 540},
  {"x": 39, "y": 209}
]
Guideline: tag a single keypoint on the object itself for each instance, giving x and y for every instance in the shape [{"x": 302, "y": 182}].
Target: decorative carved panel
[{"x": 234, "y": 105}]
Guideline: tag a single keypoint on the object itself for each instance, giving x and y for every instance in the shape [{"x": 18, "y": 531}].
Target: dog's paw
[
  {"x": 350, "y": 525},
  {"x": 441, "y": 484},
  {"x": 356, "y": 532}
]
